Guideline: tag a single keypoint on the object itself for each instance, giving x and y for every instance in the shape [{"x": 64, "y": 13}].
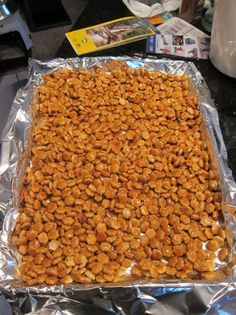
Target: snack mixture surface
[{"x": 119, "y": 182}]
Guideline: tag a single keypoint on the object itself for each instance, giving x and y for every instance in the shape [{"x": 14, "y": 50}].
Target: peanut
[{"x": 119, "y": 176}]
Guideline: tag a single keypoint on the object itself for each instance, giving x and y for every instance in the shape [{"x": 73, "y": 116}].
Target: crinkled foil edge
[{"x": 13, "y": 145}]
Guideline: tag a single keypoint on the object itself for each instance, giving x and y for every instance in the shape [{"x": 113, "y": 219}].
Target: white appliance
[{"x": 223, "y": 37}]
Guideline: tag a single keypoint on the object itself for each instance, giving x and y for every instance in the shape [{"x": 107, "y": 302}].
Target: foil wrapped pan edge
[{"x": 142, "y": 297}]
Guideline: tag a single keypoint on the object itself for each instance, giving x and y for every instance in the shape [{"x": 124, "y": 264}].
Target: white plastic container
[{"x": 223, "y": 37}]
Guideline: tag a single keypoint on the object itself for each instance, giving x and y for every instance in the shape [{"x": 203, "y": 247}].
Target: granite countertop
[{"x": 222, "y": 87}]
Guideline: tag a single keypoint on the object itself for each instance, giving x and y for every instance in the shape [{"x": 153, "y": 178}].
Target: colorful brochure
[
  {"x": 179, "y": 38},
  {"x": 110, "y": 34},
  {"x": 181, "y": 46}
]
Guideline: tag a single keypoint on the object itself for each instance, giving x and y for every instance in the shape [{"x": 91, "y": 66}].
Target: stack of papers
[{"x": 179, "y": 38}]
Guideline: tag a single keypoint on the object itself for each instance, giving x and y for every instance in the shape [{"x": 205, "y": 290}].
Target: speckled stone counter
[{"x": 222, "y": 88}]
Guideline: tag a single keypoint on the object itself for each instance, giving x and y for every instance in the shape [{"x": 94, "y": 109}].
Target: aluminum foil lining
[{"x": 142, "y": 297}]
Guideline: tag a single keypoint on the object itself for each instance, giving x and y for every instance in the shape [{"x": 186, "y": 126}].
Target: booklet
[
  {"x": 177, "y": 26},
  {"x": 110, "y": 34},
  {"x": 181, "y": 46},
  {"x": 179, "y": 38}
]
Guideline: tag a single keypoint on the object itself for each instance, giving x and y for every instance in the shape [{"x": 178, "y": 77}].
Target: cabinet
[{"x": 45, "y": 14}]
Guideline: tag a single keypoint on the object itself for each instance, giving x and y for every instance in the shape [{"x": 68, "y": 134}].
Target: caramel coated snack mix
[{"x": 120, "y": 184}]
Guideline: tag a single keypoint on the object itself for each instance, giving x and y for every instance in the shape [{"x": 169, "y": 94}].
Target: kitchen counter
[{"x": 222, "y": 87}]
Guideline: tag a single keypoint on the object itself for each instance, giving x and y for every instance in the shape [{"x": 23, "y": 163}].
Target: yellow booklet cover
[{"x": 109, "y": 34}]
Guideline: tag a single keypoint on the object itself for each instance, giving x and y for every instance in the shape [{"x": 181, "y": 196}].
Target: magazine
[
  {"x": 110, "y": 34},
  {"x": 181, "y": 46},
  {"x": 179, "y": 38}
]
